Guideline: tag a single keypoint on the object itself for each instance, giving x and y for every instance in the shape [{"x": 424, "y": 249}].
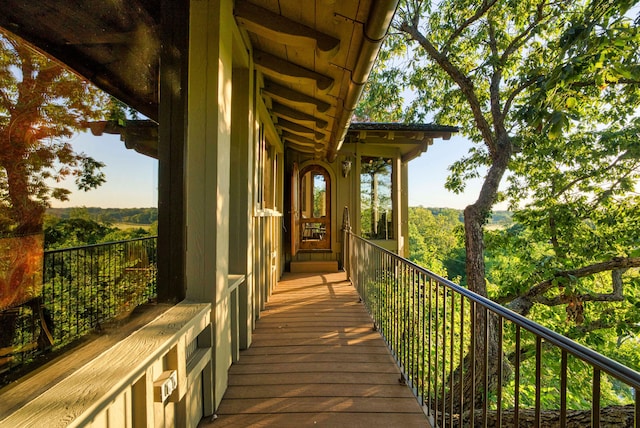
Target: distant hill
[
  {"x": 108, "y": 215},
  {"x": 498, "y": 218}
]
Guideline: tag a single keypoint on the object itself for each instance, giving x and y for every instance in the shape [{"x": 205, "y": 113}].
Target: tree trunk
[
  {"x": 27, "y": 214},
  {"x": 475, "y": 216}
]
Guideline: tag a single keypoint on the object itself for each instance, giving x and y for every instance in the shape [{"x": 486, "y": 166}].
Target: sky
[
  {"x": 429, "y": 172},
  {"x": 132, "y": 179}
]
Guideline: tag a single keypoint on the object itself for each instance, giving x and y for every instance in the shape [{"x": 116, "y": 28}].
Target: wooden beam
[
  {"x": 283, "y": 30},
  {"x": 286, "y": 135},
  {"x": 288, "y": 95},
  {"x": 100, "y": 39},
  {"x": 294, "y": 115},
  {"x": 300, "y": 148},
  {"x": 417, "y": 151},
  {"x": 300, "y": 129},
  {"x": 280, "y": 68}
]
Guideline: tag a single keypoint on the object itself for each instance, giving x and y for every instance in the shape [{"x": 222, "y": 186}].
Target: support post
[
  {"x": 346, "y": 232},
  {"x": 171, "y": 151}
]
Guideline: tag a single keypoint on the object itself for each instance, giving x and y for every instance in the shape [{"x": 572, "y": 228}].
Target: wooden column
[
  {"x": 208, "y": 171},
  {"x": 403, "y": 212},
  {"x": 171, "y": 150}
]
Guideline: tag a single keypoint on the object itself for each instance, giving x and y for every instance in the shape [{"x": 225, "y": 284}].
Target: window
[{"x": 376, "y": 207}]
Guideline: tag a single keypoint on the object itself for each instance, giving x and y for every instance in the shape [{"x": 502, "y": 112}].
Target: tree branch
[
  {"x": 588, "y": 83},
  {"x": 526, "y": 34},
  {"x": 586, "y": 176},
  {"x": 609, "y": 191},
  {"x": 523, "y": 303},
  {"x": 496, "y": 78},
  {"x": 515, "y": 44},
  {"x": 484, "y": 7},
  {"x": 517, "y": 91},
  {"x": 464, "y": 82}
]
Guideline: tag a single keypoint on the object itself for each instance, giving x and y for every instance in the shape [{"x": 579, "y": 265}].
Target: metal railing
[
  {"x": 527, "y": 376},
  {"x": 83, "y": 287}
]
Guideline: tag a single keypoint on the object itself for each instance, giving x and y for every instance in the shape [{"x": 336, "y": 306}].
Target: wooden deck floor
[{"x": 315, "y": 361}]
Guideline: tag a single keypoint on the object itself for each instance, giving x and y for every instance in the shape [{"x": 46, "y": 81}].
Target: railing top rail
[
  {"x": 596, "y": 359},
  {"x": 101, "y": 244}
]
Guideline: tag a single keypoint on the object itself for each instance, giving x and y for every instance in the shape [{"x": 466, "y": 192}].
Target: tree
[
  {"x": 506, "y": 71},
  {"x": 41, "y": 106},
  {"x": 434, "y": 239},
  {"x": 521, "y": 78}
]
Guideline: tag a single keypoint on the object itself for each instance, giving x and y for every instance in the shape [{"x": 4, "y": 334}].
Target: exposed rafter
[
  {"x": 288, "y": 95},
  {"x": 283, "y": 30},
  {"x": 300, "y": 148},
  {"x": 303, "y": 141},
  {"x": 297, "y": 116},
  {"x": 280, "y": 68},
  {"x": 300, "y": 129}
]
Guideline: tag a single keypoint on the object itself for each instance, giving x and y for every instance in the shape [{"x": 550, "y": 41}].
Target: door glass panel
[
  {"x": 319, "y": 196},
  {"x": 314, "y": 212}
]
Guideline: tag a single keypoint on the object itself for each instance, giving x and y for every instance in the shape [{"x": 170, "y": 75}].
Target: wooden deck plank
[
  {"x": 332, "y": 420},
  {"x": 318, "y": 390},
  {"x": 267, "y": 349},
  {"x": 315, "y": 357},
  {"x": 315, "y": 360},
  {"x": 315, "y": 378},
  {"x": 334, "y": 366},
  {"x": 317, "y": 404}
]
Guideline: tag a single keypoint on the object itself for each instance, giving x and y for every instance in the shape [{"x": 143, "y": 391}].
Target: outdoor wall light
[{"x": 346, "y": 167}]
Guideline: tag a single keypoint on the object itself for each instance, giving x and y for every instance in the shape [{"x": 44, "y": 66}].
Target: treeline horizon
[
  {"x": 150, "y": 214},
  {"x": 498, "y": 217},
  {"x": 141, "y": 216}
]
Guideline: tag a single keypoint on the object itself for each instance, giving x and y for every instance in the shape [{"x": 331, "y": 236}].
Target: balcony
[{"x": 385, "y": 344}]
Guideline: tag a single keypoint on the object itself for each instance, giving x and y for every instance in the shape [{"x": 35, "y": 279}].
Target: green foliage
[
  {"x": 435, "y": 240},
  {"x": 381, "y": 100},
  {"x": 80, "y": 230},
  {"x": 74, "y": 232}
]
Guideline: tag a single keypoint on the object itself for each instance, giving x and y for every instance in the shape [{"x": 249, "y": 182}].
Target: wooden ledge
[
  {"x": 235, "y": 280},
  {"x": 77, "y": 399}
]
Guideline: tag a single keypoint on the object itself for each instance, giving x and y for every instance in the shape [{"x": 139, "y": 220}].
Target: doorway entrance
[{"x": 314, "y": 213}]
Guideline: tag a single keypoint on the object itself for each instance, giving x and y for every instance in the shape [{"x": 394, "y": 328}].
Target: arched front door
[{"x": 314, "y": 232}]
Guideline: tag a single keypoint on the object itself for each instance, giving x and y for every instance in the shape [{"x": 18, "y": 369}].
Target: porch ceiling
[{"x": 315, "y": 56}]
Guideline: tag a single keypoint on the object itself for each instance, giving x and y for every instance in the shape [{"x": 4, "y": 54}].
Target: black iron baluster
[
  {"x": 499, "y": 386},
  {"x": 516, "y": 394},
  {"x": 461, "y": 356},
  {"x": 563, "y": 389},
  {"x": 538, "y": 379},
  {"x": 595, "y": 405}
]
